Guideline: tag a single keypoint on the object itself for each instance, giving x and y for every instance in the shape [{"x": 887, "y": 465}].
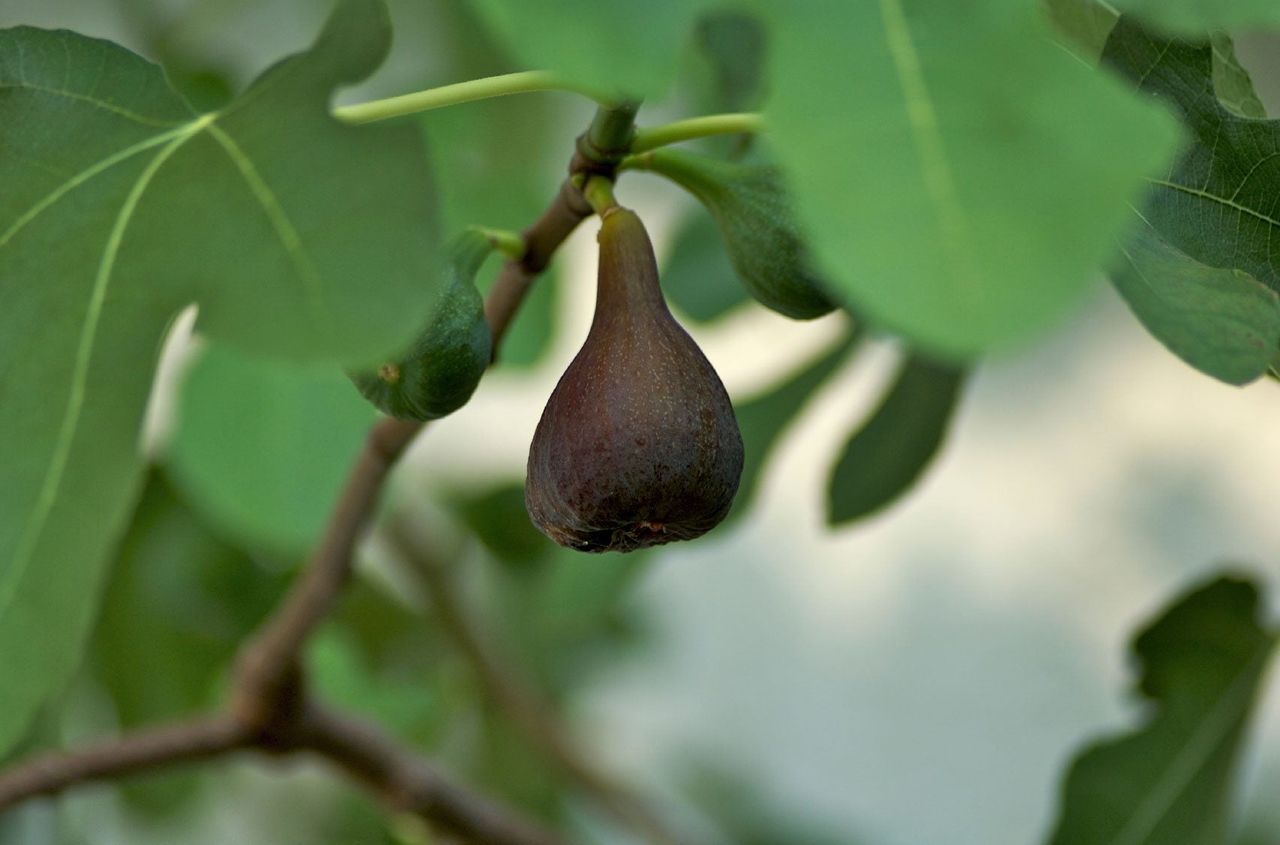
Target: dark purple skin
[{"x": 638, "y": 444}]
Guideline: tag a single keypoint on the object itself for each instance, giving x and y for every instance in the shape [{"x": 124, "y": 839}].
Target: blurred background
[{"x": 921, "y": 676}]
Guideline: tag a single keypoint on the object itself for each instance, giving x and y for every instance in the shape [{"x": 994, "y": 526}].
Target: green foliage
[
  {"x": 443, "y": 366},
  {"x": 747, "y": 815},
  {"x": 557, "y": 615},
  {"x": 262, "y": 446},
  {"x": 1231, "y": 81},
  {"x": 1170, "y": 782},
  {"x": 959, "y": 178},
  {"x": 734, "y": 45},
  {"x": 120, "y": 206},
  {"x": 1223, "y": 322},
  {"x": 617, "y": 46},
  {"x": 177, "y": 605},
  {"x": 892, "y": 449},
  {"x": 764, "y": 418},
  {"x": 1085, "y": 24},
  {"x": 750, "y": 205},
  {"x": 408, "y": 708},
  {"x": 1198, "y": 16},
  {"x": 697, "y": 277},
  {"x": 1216, "y": 203}
]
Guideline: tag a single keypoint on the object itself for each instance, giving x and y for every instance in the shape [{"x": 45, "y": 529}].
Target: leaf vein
[
  {"x": 23, "y": 85},
  {"x": 49, "y": 487},
  {"x": 280, "y": 222}
]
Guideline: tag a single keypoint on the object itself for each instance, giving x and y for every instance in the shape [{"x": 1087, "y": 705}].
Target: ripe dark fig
[
  {"x": 440, "y": 371},
  {"x": 638, "y": 444},
  {"x": 750, "y": 205}
]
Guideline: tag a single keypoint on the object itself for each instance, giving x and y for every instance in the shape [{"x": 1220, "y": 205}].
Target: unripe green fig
[
  {"x": 749, "y": 204},
  {"x": 638, "y": 444},
  {"x": 440, "y": 371}
]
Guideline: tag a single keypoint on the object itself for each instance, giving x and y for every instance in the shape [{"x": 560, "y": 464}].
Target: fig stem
[
  {"x": 696, "y": 127},
  {"x": 511, "y": 244},
  {"x": 599, "y": 193},
  {"x": 464, "y": 92},
  {"x": 609, "y": 137}
]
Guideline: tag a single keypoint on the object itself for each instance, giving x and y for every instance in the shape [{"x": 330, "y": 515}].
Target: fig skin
[
  {"x": 439, "y": 372},
  {"x": 638, "y": 444}
]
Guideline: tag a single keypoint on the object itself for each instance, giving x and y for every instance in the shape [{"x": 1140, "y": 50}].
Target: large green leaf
[
  {"x": 1170, "y": 782},
  {"x": 1201, "y": 16},
  {"x": 892, "y": 449},
  {"x": 1217, "y": 202},
  {"x": 961, "y": 177},
  {"x": 1223, "y": 322},
  {"x": 616, "y": 46},
  {"x": 262, "y": 447},
  {"x": 297, "y": 235}
]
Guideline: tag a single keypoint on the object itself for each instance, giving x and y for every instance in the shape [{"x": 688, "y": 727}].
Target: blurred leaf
[
  {"x": 617, "y": 46},
  {"x": 406, "y": 707},
  {"x": 697, "y": 276},
  {"x": 503, "y": 763},
  {"x": 1170, "y": 782},
  {"x": 746, "y": 815},
  {"x": 498, "y": 519},
  {"x": 1224, "y": 323},
  {"x": 178, "y": 603},
  {"x": 1085, "y": 23},
  {"x": 891, "y": 450},
  {"x": 961, "y": 178},
  {"x": 1231, "y": 81},
  {"x": 1216, "y": 203},
  {"x": 1199, "y": 17},
  {"x": 298, "y": 236},
  {"x": 733, "y": 44},
  {"x": 764, "y": 418},
  {"x": 262, "y": 447},
  {"x": 553, "y": 610}
]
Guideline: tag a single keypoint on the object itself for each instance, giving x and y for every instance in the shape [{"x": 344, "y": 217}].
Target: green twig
[
  {"x": 696, "y": 127},
  {"x": 609, "y": 137},
  {"x": 599, "y": 193},
  {"x": 461, "y": 92},
  {"x": 511, "y": 244}
]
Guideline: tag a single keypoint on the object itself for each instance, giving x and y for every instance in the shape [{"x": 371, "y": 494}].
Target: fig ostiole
[
  {"x": 638, "y": 444},
  {"x": 440, "y": 370},
  {"x": 750, "y": 206}
]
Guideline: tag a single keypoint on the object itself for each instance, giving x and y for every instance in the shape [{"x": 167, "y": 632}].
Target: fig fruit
[
  {"x": 439, "y": 372},
  {"x": 749, "y": 203},
  {"x": 638, "y": 444}
]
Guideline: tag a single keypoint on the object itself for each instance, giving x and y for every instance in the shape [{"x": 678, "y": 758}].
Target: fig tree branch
[{"x": 150, "y": 748}]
